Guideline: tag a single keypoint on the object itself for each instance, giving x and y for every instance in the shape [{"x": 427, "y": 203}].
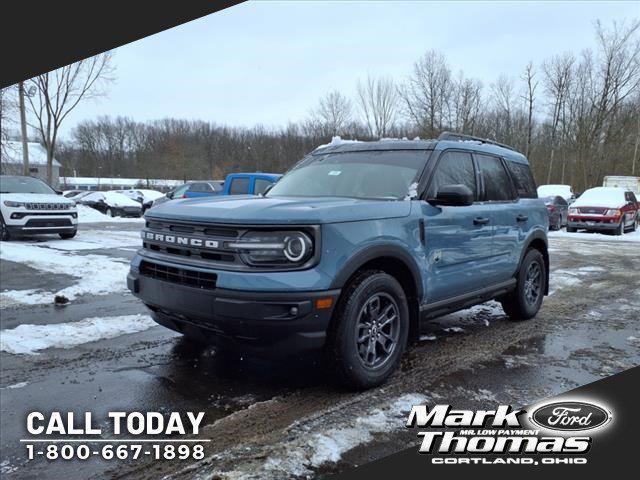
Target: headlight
[
  {"x": 613, "y": 213},
  {"x": 573, "y": 211},
  {"x": 279, "y": 248},
  {"x": 11, "y": 204}
]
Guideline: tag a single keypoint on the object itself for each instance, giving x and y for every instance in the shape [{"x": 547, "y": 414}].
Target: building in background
[
  {"x": 108, "y": 183},
  {"x": 11, "y": 161}
]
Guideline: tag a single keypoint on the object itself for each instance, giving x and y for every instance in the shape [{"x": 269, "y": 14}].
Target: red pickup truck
[{"x": 605, "y": 209}]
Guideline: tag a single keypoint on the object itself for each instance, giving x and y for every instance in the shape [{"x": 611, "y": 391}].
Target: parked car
[
  {"x": 192, "y": 190},
  {"x": 113, "y": 204},
  {"x": 249, "y": 183},
  {"x": 29, "y": 206},
  {"x": 144, "y": 196},
  {"x": 558, "y": 210},
  {"x": 604, "y": 209},
  {"x": 564, "y": 191},
  {"x": 349, "y": 252}
]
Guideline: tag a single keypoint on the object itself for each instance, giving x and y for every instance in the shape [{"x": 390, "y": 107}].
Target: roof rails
[{"x": 462, "y": 137}]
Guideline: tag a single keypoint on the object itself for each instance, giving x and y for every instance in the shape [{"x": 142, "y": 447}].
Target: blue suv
[{"x": 355, "y": 246}]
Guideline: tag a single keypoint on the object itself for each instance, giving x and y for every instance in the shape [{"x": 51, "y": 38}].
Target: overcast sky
[{"x": 268, "y": 62}]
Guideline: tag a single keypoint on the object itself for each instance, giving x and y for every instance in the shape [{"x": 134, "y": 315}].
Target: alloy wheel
[
  {"x": 533, "y": 283},
  {"x": 377, "y": 330}
]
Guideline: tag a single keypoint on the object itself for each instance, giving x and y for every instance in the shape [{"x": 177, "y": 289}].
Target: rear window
[
  {"x": 525, "y": 184},
  {"x": 497, "y": 184},
  {"x": 239, "y": 186}
]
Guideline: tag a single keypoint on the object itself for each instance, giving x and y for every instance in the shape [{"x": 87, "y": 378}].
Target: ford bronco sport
[{"x": 356, "y": 245}]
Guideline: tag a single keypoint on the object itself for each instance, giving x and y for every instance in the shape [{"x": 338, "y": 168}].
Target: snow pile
[
  {"x": 91, "y": 215},
  {"x": 28, "y": 339},
  {"x": 97, "y": 274},
  {"x": 563, "y": 191}
]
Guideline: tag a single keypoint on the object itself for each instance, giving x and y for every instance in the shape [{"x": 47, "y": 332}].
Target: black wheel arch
[
  {"x": 538, "y": 241},
  {"x": 397, "y": 262}
]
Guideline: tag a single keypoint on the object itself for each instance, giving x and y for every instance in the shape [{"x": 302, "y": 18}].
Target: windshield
[
  {"x": 378, "y": 175},
  {"x": 24, "y": 185}
]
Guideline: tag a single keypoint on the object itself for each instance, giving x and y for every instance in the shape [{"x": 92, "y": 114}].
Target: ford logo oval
[{"x": 570, "y": 416}]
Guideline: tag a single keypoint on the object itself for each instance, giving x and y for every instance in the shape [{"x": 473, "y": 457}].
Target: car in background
[
  {"x": 29, "y": 206},
  {"x": 564, "y": 191},
  {"x": 558, "y": 210},
  {"x": 71, "y": 193},
  {"x": 249, "y": 183},
  {"x": 607, "y": 209},
  {"x": 112, "y": 203},
  {"x": 144, "y": 196},
  {"x": 234, "y": 184}
]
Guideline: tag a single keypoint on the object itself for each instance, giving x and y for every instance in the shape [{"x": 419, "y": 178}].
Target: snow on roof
[
  {"x": 11, "y": 152},
  {"x": 611, "y": 197}
]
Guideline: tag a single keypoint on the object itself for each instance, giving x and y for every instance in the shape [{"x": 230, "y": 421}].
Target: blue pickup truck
[
  {"x": 350, "y": 252},
  {"x": 235, "y": 184}
]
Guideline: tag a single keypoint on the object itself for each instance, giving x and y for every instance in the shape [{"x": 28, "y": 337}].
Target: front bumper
[
  {"x": 261, "y": 323},
  {"x": 127, "y": 212},
  {"x": 595, "y": 225},
  {"x": 31, "y": 223}
]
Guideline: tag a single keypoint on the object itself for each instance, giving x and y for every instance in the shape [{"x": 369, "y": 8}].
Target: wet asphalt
[{"x": 260, "y": 410}]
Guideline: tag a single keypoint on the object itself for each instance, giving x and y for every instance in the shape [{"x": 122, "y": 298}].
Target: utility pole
[{"x": 23, "y": 128}]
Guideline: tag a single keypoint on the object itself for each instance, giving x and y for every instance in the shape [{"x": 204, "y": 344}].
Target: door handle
[
  {"x": 480, "y": 221},
  {"x": 522, "y": 218}
]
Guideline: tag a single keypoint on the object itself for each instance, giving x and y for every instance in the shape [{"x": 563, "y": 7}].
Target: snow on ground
[
  {"x": 601, "y": 237},
  {"x": 97, "y": 274},
  {"x": 90, "y": 240},
  {"x": 329, "y": 445},
  {"x": 29, "y": 339},
  {"x": 91, "y": 215}
]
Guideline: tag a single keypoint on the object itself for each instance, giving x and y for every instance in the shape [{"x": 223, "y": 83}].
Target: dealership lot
[{"x": 98, "y": 350}]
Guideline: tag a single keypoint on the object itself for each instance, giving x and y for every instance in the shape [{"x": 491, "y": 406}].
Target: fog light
[{"x": 324, "y": 303}]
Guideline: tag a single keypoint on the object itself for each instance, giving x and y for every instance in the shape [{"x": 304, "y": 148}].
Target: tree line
[{"x": 575, "y": 116}]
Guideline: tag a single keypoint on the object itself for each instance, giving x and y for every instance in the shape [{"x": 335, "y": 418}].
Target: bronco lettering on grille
[{"x": 180, "y": 240}]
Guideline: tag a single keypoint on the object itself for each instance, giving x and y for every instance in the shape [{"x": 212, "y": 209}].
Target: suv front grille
[
  {"x": 180, "y": 276},
  {"x": 47, "y": 206},
  {"x": 212, "y": 232}
]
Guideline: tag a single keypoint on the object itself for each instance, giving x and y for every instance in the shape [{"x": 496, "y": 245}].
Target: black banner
[
  {"x": 42, "y": 36},
  {"x": 613, "y": 450}
]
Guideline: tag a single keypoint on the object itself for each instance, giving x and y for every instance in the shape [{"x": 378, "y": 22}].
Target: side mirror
[
  {"x": 169, "y": 195},
  {"x": 58, "y": 192},
  {"x": 453, "y": 196}
]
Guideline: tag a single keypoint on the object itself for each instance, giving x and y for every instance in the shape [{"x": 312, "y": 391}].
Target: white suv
[{"x": 29, "y": 206}]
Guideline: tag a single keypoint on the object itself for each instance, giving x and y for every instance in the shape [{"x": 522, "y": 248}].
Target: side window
[
  {"x": 633, "y": 197},
  {"x": 239, "y": 186},
  {"x": 261, "y": 185},
  {"x": 497, "y": 184},
  {"x": 199, "y": 187},
  {"x": 523, "y": 179},
  {"x": 453, "y": 168},
  {"x": 561, "y": 201}
]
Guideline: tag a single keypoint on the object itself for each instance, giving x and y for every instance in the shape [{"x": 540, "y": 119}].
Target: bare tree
[
  {"x": 378, "y": 100},
  {"x": 333, "y": 114},
  {"x": 7, "y": 109},
  {"x": 529, "y": 97},
  {"x": 465, "y": 104},
  {"x": 427, "y": 93},
  {"x": 60, "y": 91}
]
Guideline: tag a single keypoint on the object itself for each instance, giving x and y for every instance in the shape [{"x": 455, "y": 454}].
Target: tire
[
  {"x": 571, "y": 230},
  {"x": 370, "y": 361},
  {"x": 525, "y": 301},
  {"x": 5, "y": 236},
  {"x": 110, "y": 213},
  {"x": 66, "y": 236},
  {"x": 620, "y": 229}
]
